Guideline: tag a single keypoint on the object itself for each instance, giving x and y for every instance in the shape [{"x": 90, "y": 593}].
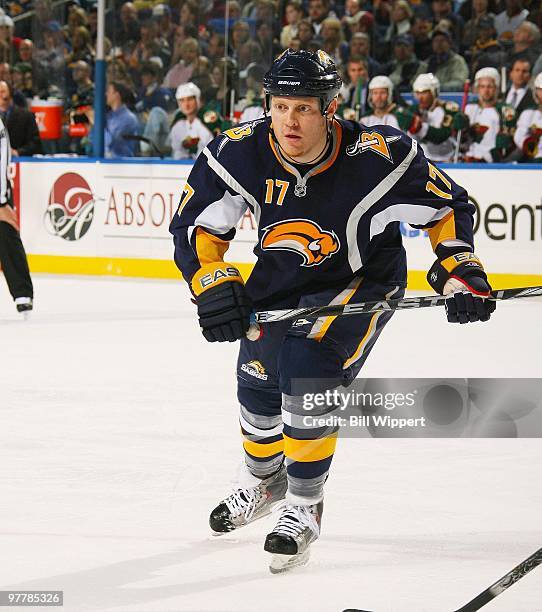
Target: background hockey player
[
  {"x": 12, "y": 254},
  {"x": 528, "y": 135},
  {"x": 384, "y": 110},
  {"x": 193, "y": 127},
  {"x": 438, "y": 120},
  {"x": 491, "y": 122},
  {"x": 328, "y": 196}
]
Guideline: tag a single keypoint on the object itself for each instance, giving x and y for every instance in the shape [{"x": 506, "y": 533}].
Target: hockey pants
[{"x": 298, "y": 357}]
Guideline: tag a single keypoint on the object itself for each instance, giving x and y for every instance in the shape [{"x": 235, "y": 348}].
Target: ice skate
[
  {"x": 24, "y": 306},
  {"x": 289, "y": 542},
  {"x": 249, "y": 503}
]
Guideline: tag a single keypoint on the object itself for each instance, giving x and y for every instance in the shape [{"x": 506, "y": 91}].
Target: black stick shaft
[{"x": 506, "y": 581}]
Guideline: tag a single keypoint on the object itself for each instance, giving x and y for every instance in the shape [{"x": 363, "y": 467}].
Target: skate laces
[
  {"x": 294, "y": 519},
  {"x": 243, "y": 501}
]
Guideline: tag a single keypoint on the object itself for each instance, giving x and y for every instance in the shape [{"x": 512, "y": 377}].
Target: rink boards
[{"x": 111, "y": 218}]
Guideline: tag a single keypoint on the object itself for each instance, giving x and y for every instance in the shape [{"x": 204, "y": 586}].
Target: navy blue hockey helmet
[{"x": 301, "y": 73}]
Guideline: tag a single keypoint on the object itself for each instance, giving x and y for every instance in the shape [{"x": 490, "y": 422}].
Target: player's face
[
  {"x": 299, "y": 126},
  {"x": 487, "y": 90},
  {"x": 425, "y": 98},
  {"x": 189, "y": 106},
  {"x": 379, "y": 98}
]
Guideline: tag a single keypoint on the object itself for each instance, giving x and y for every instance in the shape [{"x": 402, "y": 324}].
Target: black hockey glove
[
  {"x": 223, "y": 305},
  {"x": 462, "y": 277}
]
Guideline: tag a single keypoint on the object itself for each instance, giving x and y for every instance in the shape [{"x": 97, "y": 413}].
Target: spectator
[
  {"x": 450, "y": 68},
  {"x": 439, "y": 120},
  {"x": 188, "y": 15},
  {"x": 240, "y": 33},
  {"x": 81, "y": 47},
  {"x": 264, "y": 35},
  {"x": 355, "y": 90},
  {"x": 150, "y": 93},
  {"x": 404, "y": 66},
  {"x": 126, "y": 28},
  {"x": 215, "y": 48},
  {"x": 77, "y": 18},
  {"x": 189, "y": 136},
  {"x": 507, "y": 22},
  {"x": 253, "y": 104},
  {"x": 20, "y": 123},
  {"x": 359, "y": 48},
  {"x": 401, "y": 19},
  {"x": 332, "y": 36},
  {"x": 363, "y": 21},
  {"x": 293, "y": 15},
  {"x": 120, "y": 122},
  {"x": 182, "y": 71},
  {"x": 150, "y": 45},
  {"x": 318, "y": 11},
  {"x": 224, "y": 76},
  {"x": 251, "y": 53},
  {"x": 491, "y": 123},
  {"x": 471, "y": 29},
  {"x": 161, "y": 13},
  {"x": 384, "y": 110},
  {"x": 84, "y": 92},
  {"x": 51, "y": 57},
  {"x": 305, "y": 33},
  {"x": 421, "y": 31},
  {"x": 6, "y": 39},
  {"x": 443, "y": 10},
  {"x": 118, "y": 71},
  {"x": 526, "y": 43},
  {"x": 487, "y": 51},
  {"x": 519, "y": 95},
  {"x": 528, "y": 135},
  {"x": 22, "y": 83}
]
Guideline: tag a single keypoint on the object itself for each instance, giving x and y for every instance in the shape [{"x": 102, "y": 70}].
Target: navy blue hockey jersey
[{"x": 320, "y": 225}]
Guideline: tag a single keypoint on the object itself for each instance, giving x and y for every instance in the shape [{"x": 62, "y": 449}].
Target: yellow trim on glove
[
  {"x": 450, "y": 263},
  {"x": 214, "y": 274}
]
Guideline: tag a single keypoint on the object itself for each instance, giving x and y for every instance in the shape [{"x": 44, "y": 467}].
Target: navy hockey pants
[{"x": 295, "y": 358}]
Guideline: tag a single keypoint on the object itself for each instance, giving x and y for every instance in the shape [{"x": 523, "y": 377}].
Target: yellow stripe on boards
[{"x": 309, "y": 450}]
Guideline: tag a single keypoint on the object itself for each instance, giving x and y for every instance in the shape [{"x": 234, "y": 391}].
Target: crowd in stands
[{"x": 180, "y": 72}]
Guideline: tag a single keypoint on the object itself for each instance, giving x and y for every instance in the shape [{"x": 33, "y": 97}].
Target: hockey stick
[
  {"x": 506, "y": 581},
  {"x": 272, "y": 316}
]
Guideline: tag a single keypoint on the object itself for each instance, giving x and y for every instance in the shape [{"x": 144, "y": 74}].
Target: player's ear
[{"x": 332, "y": 109}]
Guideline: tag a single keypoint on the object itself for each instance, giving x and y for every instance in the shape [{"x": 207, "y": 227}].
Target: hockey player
[
  {"x": 385, "y": 110},
  {"x": 328, "y": 196},
  {"x": 528, "y": 135},
  {"x": 193, "y": 127},
  {"x": 12, "y": 253},
  {"x": 491, "y": 122},
  {"x": 438, "y": 120}
]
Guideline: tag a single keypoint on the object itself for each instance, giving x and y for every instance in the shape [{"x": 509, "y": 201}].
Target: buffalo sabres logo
[
  {"x": 301, "y": 236},
  {"x": 372, "y": 141},
  {"x": 255, "y": 368}
]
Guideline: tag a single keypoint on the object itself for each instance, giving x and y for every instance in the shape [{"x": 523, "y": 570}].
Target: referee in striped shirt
[{"x": 12, "y": 253}]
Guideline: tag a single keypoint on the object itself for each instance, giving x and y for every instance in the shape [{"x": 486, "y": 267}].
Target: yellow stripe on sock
[{"x": 309, "y": 450}]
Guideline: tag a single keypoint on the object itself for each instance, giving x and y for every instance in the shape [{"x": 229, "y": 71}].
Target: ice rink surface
[{"x": 119, "y": 433}]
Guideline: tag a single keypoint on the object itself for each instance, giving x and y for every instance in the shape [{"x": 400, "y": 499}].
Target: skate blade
[{"x": 284, "y": 563}]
